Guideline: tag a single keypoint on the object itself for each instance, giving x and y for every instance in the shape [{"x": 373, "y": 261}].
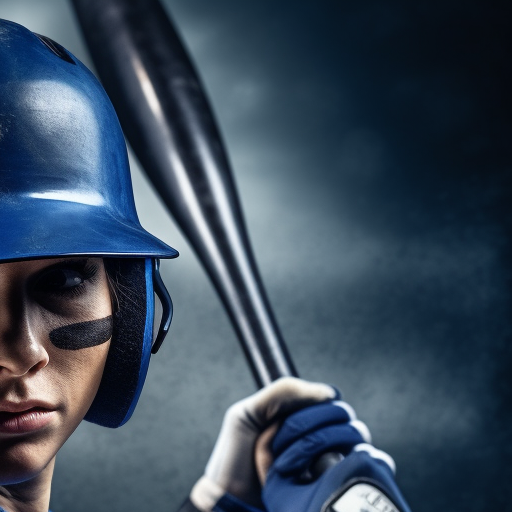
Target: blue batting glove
[
  {"x": 362, "y": 481},
  {"x": 230, "y": 482}
]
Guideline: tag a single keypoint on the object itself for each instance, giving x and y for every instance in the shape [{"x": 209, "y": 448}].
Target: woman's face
[{"x": 55, "y": 329}]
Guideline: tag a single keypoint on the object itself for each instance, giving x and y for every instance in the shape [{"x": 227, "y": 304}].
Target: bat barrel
[{"x": 169, "y": 123}]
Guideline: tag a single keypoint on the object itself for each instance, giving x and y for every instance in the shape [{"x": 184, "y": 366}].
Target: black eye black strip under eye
[{"x": 82, "y": 334}]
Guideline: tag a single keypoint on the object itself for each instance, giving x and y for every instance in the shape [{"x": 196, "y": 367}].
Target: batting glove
[
  {"x": 230, "y": 482},
  {"x": 363, "y": 480}
]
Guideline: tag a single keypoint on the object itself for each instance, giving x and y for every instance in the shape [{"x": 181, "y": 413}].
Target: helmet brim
[{"x": 45, "y": 228}]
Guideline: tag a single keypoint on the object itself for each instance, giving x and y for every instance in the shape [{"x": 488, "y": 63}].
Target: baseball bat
[
  {"x": 168, "y": 121},
  {"x": 170, "y": 125}
]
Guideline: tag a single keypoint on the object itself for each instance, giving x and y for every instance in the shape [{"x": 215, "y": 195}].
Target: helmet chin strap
[{"x": 167, "y": 309}]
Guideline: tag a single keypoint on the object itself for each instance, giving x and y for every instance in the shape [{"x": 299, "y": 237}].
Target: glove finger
[
  {"x": 309, "y": 420},
  {"x": 277, "y": 400},
  {"x": 377, "y": 454},
  {"x": 333, "y": 438}
]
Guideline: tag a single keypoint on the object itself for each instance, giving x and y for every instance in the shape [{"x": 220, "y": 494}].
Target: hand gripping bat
[{"x": 169, "y": 123}]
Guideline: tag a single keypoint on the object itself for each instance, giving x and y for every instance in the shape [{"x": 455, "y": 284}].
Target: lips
[{"x": 26, "y": 417}]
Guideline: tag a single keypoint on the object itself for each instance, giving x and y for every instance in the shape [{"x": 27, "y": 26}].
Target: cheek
[
  {"x": 79, "y": 372},
  {"x": 82, "y": 335},
  {"x": 76, "y": 334}
]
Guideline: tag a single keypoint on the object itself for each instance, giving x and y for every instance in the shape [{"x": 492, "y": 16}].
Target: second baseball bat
[{"x": 169, "y": 123}]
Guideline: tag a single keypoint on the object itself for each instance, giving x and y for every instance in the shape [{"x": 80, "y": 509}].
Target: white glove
[{"x": 231, "y": 468}]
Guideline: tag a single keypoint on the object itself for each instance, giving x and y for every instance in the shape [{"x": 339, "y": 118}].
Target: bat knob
[{"x": 320, "y": 466}]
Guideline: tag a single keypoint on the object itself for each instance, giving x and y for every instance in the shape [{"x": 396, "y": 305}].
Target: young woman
[{"x": 78, "y": 276}]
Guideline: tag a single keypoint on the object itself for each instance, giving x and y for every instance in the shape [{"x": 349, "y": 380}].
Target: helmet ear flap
[{"x": 130, "y": 347}]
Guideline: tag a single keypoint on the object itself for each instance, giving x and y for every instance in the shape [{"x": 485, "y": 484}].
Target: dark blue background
[{"x": 370, "y": 142}]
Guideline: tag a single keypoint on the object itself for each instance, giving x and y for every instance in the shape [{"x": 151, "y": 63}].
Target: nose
[
  {"x": 21, "y": 350},
  {"x": 22, "y": 355}
]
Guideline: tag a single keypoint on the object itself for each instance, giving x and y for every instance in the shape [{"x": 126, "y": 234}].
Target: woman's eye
[
  {"x": 60, "y": 280},
  {"x": 66, "y": 280}
]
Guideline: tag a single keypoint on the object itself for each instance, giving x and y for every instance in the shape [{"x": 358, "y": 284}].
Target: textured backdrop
[{"x": 369, "y": 142}]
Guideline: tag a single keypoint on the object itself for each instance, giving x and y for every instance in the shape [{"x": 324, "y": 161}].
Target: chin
[{"x": 22, "y": 461}]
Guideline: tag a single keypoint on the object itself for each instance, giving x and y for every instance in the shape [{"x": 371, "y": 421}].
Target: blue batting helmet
[{"x": 65, "y": 190}]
